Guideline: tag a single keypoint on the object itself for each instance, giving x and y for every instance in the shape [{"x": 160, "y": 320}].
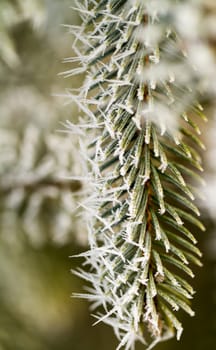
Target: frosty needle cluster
[{"x": 141, "y": 143}]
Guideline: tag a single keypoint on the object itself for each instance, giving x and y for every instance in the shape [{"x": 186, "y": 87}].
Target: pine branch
[
  {"x": 30, "y": 186},
  {"x": 143, "y": 154},
  {"x": 38, "y": 196},
  {"x": 36, "y": 191},
  {"x": 13, "y": 13}
]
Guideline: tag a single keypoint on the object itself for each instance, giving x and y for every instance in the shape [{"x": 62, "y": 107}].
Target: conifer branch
[
  {"x": 12, "y": 13},
  {"x": 140, "y": 103},
  {"x": 33, "y": 191}
]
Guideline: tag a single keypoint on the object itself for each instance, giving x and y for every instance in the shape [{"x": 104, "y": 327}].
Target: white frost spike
[
  {"x": 159, "y": 265},
  {"x": 140, "y": 93}
]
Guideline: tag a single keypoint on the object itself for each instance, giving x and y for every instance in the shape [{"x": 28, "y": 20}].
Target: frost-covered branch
[{"x": 139, "y": 100}]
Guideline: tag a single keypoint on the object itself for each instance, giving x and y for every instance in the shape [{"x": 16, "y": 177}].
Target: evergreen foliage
[
  {"x": 36, "y": 160},
  {"x": 12, "y": 13},
  {"x": 142, "y": 145},
  {"x": 36, "y": 191}
]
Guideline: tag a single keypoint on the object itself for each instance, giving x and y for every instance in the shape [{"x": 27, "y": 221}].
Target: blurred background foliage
[{"x": 40, "y": 225}]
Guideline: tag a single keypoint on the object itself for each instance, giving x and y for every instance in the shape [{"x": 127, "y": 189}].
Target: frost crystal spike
[{"x": 140, "y": 116}]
